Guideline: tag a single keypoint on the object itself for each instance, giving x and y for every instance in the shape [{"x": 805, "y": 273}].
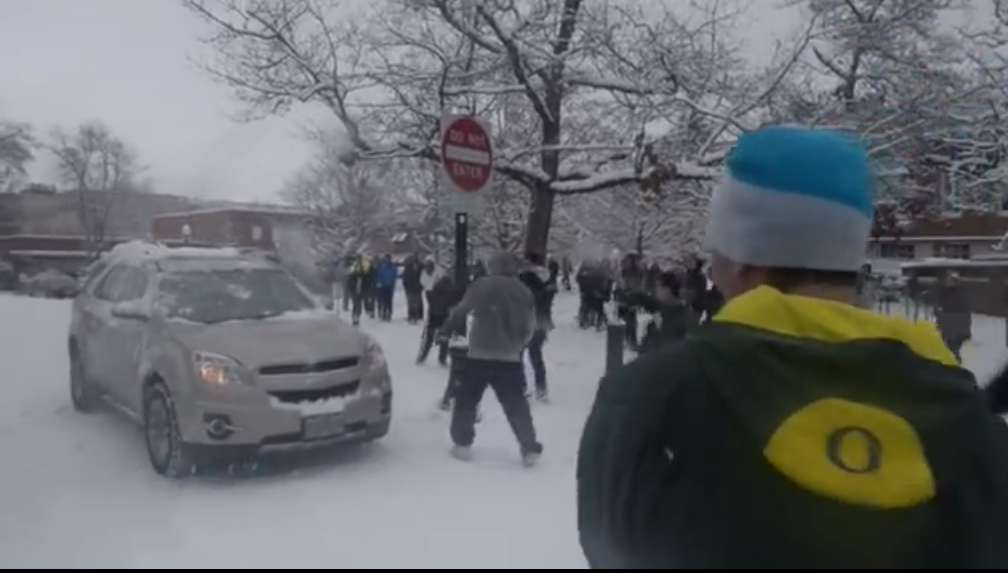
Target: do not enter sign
[{"x": 466, "y": 153}]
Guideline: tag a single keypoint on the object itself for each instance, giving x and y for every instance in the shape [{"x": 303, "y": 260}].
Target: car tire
[
  {"x": 82, "y": 391},
  {"x": 169, "y": 455}
]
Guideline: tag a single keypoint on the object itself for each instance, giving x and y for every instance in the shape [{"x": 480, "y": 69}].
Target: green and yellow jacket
[{"x": 795, "y": 432}]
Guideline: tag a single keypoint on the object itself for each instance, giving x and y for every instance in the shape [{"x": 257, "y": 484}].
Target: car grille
[
  {"x": 295, "y": 396},
  {"x": 327, "y": 366}
]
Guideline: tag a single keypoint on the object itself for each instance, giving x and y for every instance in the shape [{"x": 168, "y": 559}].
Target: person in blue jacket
[{"x": 388, "y": 274}]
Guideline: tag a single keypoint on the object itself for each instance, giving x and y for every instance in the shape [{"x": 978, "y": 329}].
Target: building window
[
  {"x": 257, "y": 233},
  {"x": 898, "y": 251},
  {"x": 952, "y": 250}
]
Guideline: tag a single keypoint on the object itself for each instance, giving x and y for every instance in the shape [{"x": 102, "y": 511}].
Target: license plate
[{"x": 319, "y": 427}]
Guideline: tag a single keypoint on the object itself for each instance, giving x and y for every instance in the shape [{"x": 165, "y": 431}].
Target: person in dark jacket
[
  {"x": 368, "y": 282},
  {"x": 672, "y": 317},
  {"x": 537, "y": 280},
  {"x": 696, "y": 287},
  {"x": 797, "y": 431},
  {"x": 554, "y": 271},
  {"x": 715, "y": 301},
  {"x": 440, "y": 300},
  {"x": 955, "y": 320},
  {"x": 593, "y": 287},
  {"x": 552, "y": 287},
  {"x": 654, "y": 272},
  {"x": 504, "y": 321},
  {"x": 349, "y": 284},
  {"x": 387, "y": 275},
  {"x": 479, "y": 270},
  {"x": 627, "y": 295},
  {"x": 997, "y": 392},
  {"x": 412, "y": 269}
]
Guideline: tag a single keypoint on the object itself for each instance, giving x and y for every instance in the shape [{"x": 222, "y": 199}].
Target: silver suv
[{"x": 221, "y": 352}]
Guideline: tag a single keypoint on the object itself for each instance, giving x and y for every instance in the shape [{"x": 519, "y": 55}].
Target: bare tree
[
  {"x": 99, "y": 167},
  {"x": 349, "y": 206},
  {"x": 16, "y": 151},
  {"x": 580, "y": 84},
  {"x": 903, "y": 82}
]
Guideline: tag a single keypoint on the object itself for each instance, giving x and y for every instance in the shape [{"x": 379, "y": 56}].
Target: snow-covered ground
[{"x": 78, "y": 491}]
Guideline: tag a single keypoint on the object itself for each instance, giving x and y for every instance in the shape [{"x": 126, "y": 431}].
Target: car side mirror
[{"x": 130, "y": 311}]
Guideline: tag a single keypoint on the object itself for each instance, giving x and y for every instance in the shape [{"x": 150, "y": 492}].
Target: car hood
[{"x": 297, "y": 338}]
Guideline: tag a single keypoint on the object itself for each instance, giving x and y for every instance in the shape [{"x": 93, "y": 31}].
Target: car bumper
[{"x": 264, "y": 424}]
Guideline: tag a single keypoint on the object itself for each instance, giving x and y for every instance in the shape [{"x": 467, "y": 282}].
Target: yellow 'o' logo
[
  {"x": 868, "y": 450},
  {"x": 853, "y": 453}
]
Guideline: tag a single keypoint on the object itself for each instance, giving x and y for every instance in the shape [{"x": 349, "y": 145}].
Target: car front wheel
[
  {"x": 168, "y": 453},
  {"x": 81, "y": 390}
]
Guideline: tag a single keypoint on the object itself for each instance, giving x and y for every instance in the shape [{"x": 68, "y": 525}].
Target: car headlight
[
  {"x": 374, "y": 356},
  {"x": 216, "y": 369}
]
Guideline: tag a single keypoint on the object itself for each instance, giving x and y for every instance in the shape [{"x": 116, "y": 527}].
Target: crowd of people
[
  {"x": 773, "y": 419},
  {"x": 677, "y": 299}
]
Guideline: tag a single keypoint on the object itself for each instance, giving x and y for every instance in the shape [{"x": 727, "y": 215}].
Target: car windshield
[{"x": 211, "y": 296}]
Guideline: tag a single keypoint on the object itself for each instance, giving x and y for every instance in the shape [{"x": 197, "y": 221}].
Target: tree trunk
[
  {"x": 541, "y": 210},
  {"x": 540, "y": 219}
]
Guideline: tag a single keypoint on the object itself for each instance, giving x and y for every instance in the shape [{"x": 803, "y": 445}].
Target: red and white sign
[{"x": 466, "y": 153}]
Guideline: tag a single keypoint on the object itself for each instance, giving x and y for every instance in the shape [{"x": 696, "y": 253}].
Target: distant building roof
[
  {"x": 276, "y": 211},
  {"x": 972, "y": 226}
]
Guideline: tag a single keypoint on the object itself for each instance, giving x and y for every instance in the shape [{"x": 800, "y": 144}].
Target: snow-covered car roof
[{"x": 138, "y": 252}]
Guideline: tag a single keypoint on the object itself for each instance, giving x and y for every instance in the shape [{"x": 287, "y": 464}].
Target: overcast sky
[{"x": 127, "y": 63}]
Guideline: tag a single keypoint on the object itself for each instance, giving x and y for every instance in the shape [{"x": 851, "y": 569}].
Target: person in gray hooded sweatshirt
[{"x": 504, "y": 320}]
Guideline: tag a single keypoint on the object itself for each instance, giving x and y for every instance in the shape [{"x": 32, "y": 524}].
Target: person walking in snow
[
  {"x": 349, "y": 283},
  {"x": 369, "y": 287},
  {"x": 696, "y": 287},
  {"x": 479, "y": 270},
  {"x": 355, "y": 286},
  {"x": 412, "y": 270},
  {"x": 430, "y": 275},
  {"x": 593, "y": 288},
  {"x": 672, "y": 318},
  {"x": 503, "y": 312},
  {"x": 651, "y": 277},
  {"x": 537, "y": 279},
  {"x": 955, "y": 320},
  {"x": 386, "y": 276},
  {"x": 797, "y": 431},
  {"x": 440, "y": 300},
  {"x": 629, "y": 291},
  {"x": 567, "y": 268}
]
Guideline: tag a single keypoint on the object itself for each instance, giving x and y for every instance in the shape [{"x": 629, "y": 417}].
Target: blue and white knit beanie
[{"x": 794, "y": 197}]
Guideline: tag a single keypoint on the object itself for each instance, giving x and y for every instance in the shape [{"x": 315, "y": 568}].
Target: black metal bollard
[{"x": 615, "y": 338}]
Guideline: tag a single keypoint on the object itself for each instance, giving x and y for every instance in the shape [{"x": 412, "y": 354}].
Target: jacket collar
[{"x": 766, "y": 308}]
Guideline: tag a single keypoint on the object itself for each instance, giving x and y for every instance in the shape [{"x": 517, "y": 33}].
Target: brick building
[{"x": 965, "y": 235}]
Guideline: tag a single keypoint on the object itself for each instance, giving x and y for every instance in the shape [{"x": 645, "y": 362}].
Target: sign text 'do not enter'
[{"x": 467, "y": 154}]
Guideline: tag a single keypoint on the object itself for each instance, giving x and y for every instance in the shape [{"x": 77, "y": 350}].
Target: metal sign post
[{"x": 467, "y": 162}]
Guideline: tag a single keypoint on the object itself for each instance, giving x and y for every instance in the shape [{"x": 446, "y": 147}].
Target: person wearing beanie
[
  {"x": 504, "y": 320},
  {"x": 796, "y": 430}
]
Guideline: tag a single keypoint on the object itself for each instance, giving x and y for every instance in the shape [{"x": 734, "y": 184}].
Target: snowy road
[{"x": 78, "y": 490}]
